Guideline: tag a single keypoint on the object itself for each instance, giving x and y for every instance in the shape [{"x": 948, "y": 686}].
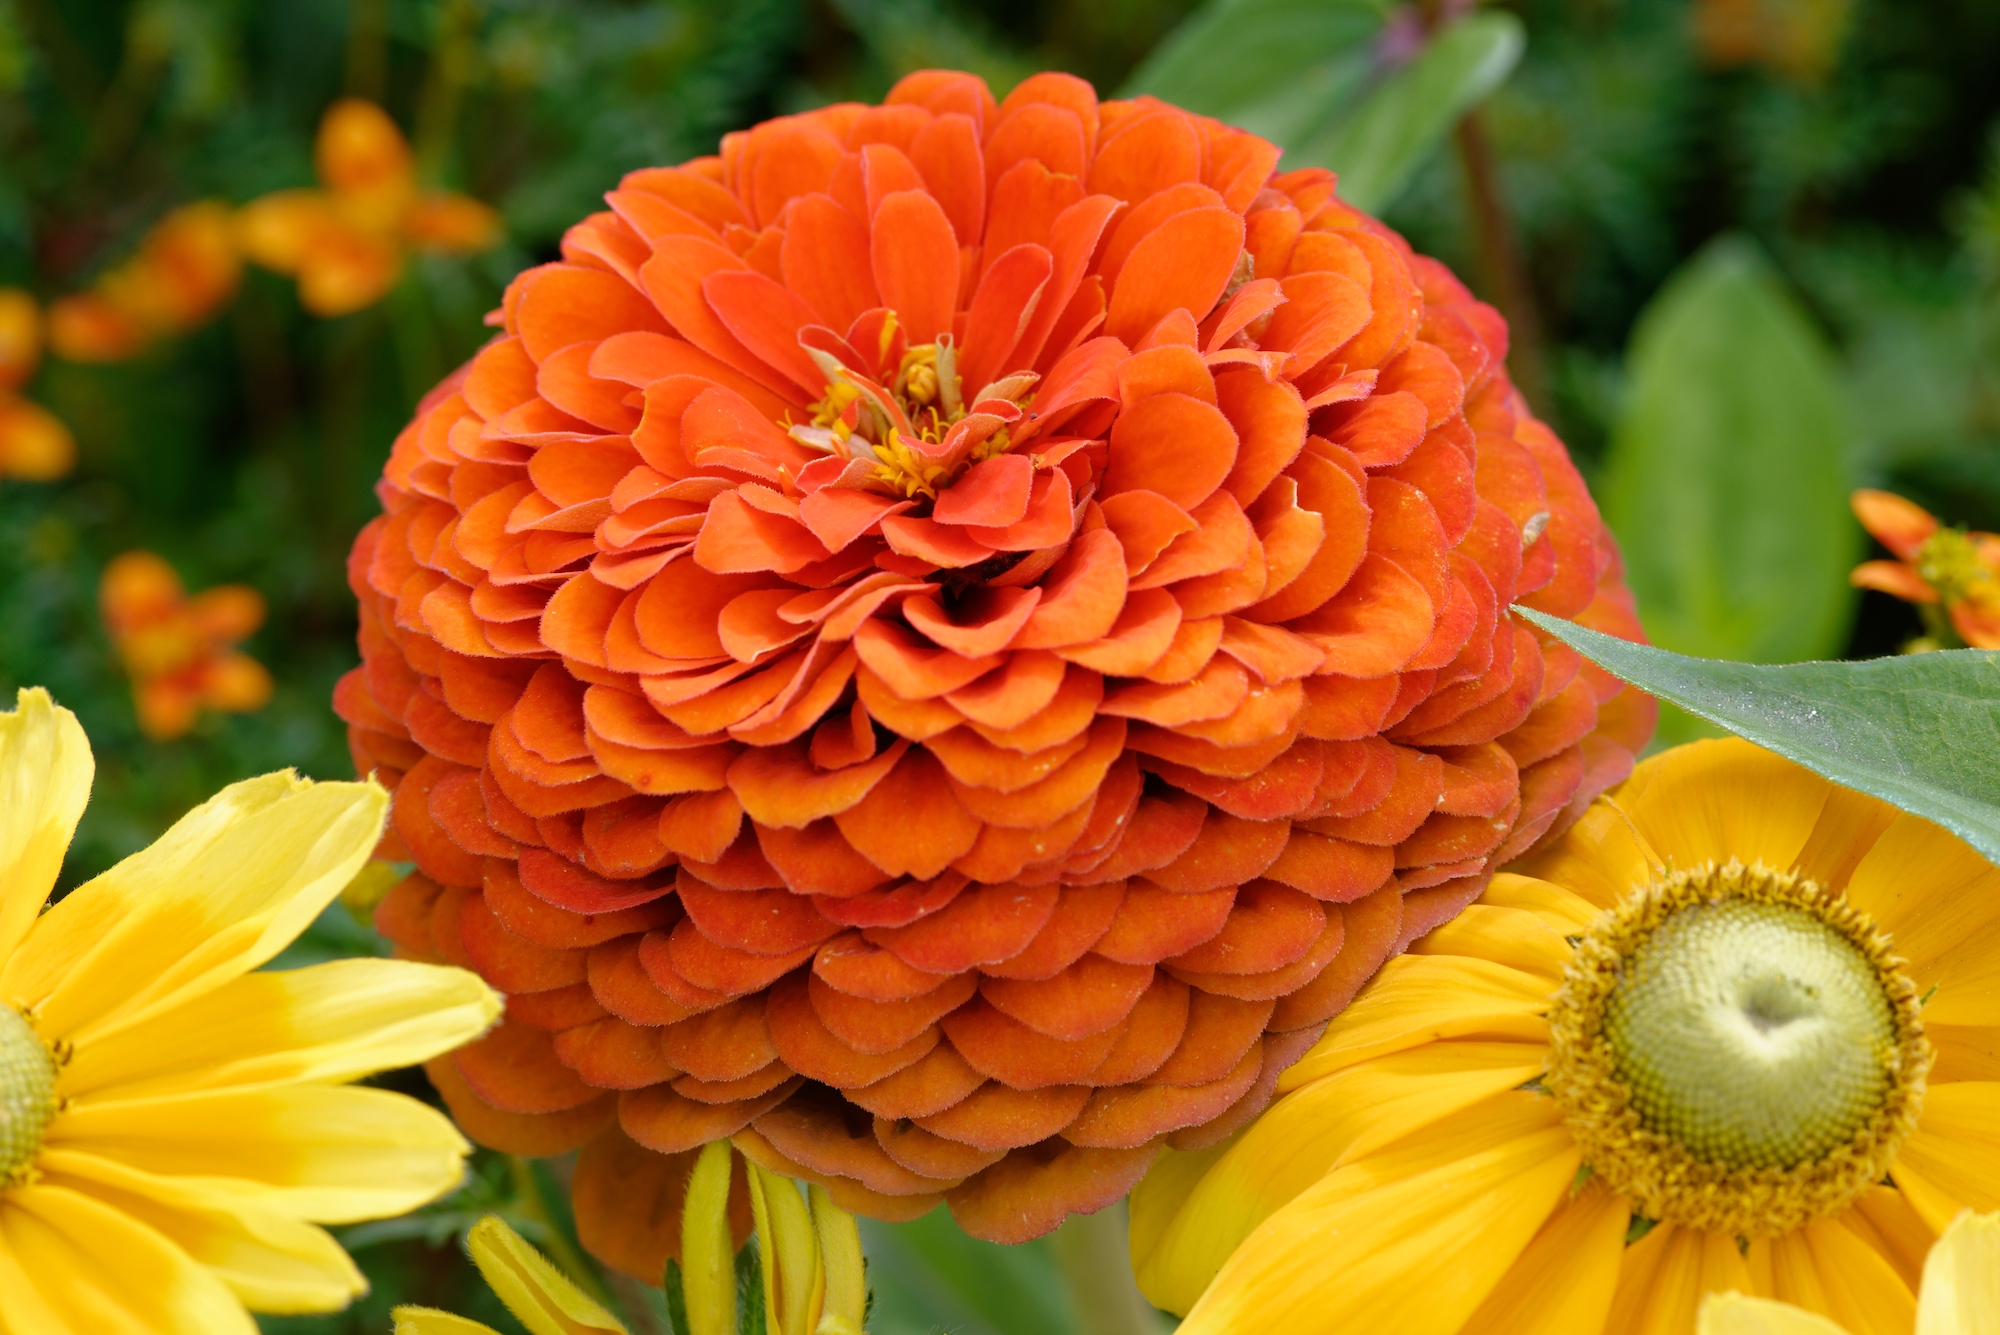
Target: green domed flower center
[
  {"x": 1753, "y": 1035},
  {"x": 27, "y": 1095},
  {"x": 1736, "y": 1050}
]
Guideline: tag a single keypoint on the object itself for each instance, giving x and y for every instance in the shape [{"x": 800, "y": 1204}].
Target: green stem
[
  {"x": 568, "y": 1259},
  {"x": 1500, "y": 260},
  {"x": 1096, "y": 1266}
]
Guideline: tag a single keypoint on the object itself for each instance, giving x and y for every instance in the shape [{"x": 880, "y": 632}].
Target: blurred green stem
[
  {"x": 1096, "y": 1266},
  {"x": 367, "y": 48},
  {"x": 528, "y": 1194},
  {"x": 451, "y": 64},
  {"x": 1500, "y": 261}
]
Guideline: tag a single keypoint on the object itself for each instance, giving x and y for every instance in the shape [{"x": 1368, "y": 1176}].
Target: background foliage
[{"x": 1750, "y": 250}]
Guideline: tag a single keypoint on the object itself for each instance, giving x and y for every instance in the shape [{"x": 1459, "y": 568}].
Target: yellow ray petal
[
  {"x": 45, "y": 772},
  {"x": 1848, "y": 827},
  {"x": 1736, "y": 1314},
  {"x": 1825, "y": 1268},
  {"x": 1156, "y": 1207},
  {"x": 331, "y": 1155},
  {"x": 1565, "y": 1278},
  {"x": 543, "y": 1297},
  {"x": 1961, "y": 1293},
  {"x": 1964, "y": 1052},
  {"x": 23, "y": 1310},
  {"x": 1419, "y": 998},
  {"x": 1301, "y": 1138},
  {"x": 1664, "y": 1276},
  {"x": 1952, "y": 1160},
  {"x": 102, "y": 1271},
  {"x": 1929, "y": 891},
  {"x": 1564, "y": 910},
  {"x": 271, "y": 1261},
  {"x": 1390, "y": 1243},
  {"x": 1884, "y": 1219},
  {"x": 430, "y": 1321},
  {"x": 1722, "y": 799},
  {"x": 327, "y": 1023},
  {"x": 229, "y": 886},
  {"x": 1601, "y": 859},
  {"x": 1518, "y": 938}
]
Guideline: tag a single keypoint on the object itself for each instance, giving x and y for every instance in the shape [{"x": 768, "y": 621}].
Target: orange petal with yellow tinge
[
  {"x": 1082, "y": 916},
  {"x": 1002, "y": 1048},
  {"x": 815, "y": 1051},
  {"x": 937, "y": 1081},
  {"x": 983, "y": 924},
  {"x": 1184, "y": 263},
  {"x": 670, "y": 1123},
  {"x": 1901, "y": 526},
  {"x": 535, "y": 1134},
  {"x": 514, "y": 1068},
  {"x": 611, "y": 1054},
  {"x": 1228, "y": 851},
  {"x": 780, "y": 786},
  {"x": 1131, "y": 1116},
  {"x": 727, "y": 1043},
  {"x": 914, "y": 255},
  {"x": 810, "y": 1132},
  {"x": 1030, "y": 1192},
  {"x": 876, "y": 1027},
  {"x": 1084, "y": 999}
]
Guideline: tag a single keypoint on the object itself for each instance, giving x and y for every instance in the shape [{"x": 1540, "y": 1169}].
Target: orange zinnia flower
[
  {"x": 945, "y": 642},
  {"x": 182, "y": 273},
  {"x": 345, "y": 243},
  {"x": 179, "y": 651},
  {"x": 34, "y": 443},
  {"x": 1936, "y": 568}
]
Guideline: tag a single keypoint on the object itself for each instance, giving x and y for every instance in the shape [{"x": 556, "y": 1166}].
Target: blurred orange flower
[
  {"x": 33, "y": 443},
  {"x": 180, "y": 650},
  {"x": 1953, "y": 576},
  {"x": 945, "y": 642},
  {"x": 345, "y": 243},
  {"x": 1799, "y": 38},
  {"x": 182, "y": 273}
]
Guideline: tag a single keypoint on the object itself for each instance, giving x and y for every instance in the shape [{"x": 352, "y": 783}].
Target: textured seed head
[
  {"x": 1753, "y": 1034},
  {"x": 27, "y": 1094}
]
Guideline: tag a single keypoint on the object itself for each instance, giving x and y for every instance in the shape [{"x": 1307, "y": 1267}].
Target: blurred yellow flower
[
  {"x": 546, "y": 1300},
  {"x": 345, "y": 242},
  {"x": 184, "y": 270},
  {"x": 179, "y": 651},
  {"x": 34, "y": 444},
  {"x": 174, "y": 1125},
  {"x": 1960, "y": 1293}
]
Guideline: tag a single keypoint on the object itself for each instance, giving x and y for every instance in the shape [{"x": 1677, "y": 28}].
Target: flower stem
[
  {"x": 1096, "y": 1266},
  {"x": 1500, "y": 259}
]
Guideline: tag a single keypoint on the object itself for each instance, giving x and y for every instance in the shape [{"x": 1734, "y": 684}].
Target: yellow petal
[
  {"x": 45, "y": 772},
  {"x": 1714, "y": 800},
  {"x": 1419, "y": 998},
  {"x": 271, "y": 1261},
  {"x": 228, "y": 887},
  {"x": 846, "y": 1293},
  {"x": 1961, "y": 1293},
  {"x": 331, "y": 1155},
  {"x": 1518, "y": 938},
  {"x": 1952, "y": 1160},
  {"x": 327, "y": 1023},
  {"x": 1824, "y": 1268},
  {"x": 100, "y": 1270},
  {"x": 1884, "y": 1218},
  {"x": 708, "y": 1267},
  {"x": 430, "y": 1321},
  {"x": 23, "y": 1310},
  {"x": 1964, "y": 1052},
  {"x": 1562, "y": 909},
  {"x": 546, "y": 1300},
  {"x": 1601, "y": 858},
  {"x": 1941, "y": 902},
  {"x": 1157, "y": 1207},
  {"x": 1664, "y": 1276},
  {"x": 1410, "y": 1240},
  {"x": 1565, "y": 1278},
  {"x": 1736, "y": 1314},
  {"x": 1848, "y": 827},
  {"x": 1299, "y": 1140},
  {"x": 787, "y": 1251}
]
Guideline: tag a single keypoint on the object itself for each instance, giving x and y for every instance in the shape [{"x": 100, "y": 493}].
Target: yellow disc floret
[
  {"x": 27, "y": 1095},
  {"x": 1737, "y": 1050}
]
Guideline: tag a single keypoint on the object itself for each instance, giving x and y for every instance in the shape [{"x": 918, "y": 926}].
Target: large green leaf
[
  {"x": 1728, "y": 474},
  {"x": 1276, "y": 67},
  {"x": 1921, "y": 731},
  {"x": 1379, "y": 145}
]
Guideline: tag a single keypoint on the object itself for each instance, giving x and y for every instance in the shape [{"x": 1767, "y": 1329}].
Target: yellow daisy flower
[
  {"x": 1960, "y": 1293},
  {"x": 1738, "y": 1029},
  {"x": 172, "y": 1124}
]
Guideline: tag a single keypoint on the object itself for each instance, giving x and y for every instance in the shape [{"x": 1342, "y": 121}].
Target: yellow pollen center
[
  {"x": 27, "y": 1095},
  {"x": 1736, "y": 1050}
]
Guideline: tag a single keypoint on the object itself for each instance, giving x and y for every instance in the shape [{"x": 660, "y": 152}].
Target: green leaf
[
  {"x": 1276, "y": 67},
  {"x": 1921, "y": 731},
  {"x": 928, "y": 1276},
  {"x": 1379, "y": 146},
  {"x": 1728, "y": 473}
]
